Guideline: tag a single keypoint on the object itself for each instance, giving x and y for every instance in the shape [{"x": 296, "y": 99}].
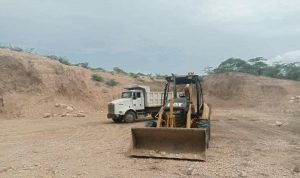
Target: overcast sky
[{"x": 154, "y": 36}]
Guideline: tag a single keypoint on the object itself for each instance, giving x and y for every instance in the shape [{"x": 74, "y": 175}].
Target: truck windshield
[{"x": 126, "y": 94}]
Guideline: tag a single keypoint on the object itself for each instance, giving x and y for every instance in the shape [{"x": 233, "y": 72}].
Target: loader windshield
[{"x": 126, "y": 94}]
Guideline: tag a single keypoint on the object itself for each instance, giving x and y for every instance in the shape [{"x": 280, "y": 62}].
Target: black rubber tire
[
  {"x": 117, "y": 119},
  {"x": 150, "y": 124},
  {"x": 205, "y": 124},
  {"x": 129, "y": 117},
  {"x": 208, "y": 133}
]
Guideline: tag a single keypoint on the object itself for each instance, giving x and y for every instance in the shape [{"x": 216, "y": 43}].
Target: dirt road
[{"x": 244, "y": 144}]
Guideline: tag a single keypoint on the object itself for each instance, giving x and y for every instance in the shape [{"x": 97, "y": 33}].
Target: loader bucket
[{"x": 175, "y": 143}]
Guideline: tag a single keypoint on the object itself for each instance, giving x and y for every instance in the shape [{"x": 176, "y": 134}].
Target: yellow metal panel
[
  {"x": 206, "y": 113},
  {"x": 188, "y": 118}
]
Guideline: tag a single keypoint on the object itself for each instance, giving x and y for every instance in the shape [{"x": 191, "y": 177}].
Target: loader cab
[{"x": 191, "y": 90}]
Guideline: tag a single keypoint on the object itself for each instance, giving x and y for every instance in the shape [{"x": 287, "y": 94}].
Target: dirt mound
[
  {"x": 240, "y": 89},
  {"x": 33, "y": 84}
]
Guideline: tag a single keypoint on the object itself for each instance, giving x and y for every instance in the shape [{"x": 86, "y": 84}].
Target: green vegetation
[
  {"x": 141, "y": 74},
  {"x": 133, "y": 75},
  {"x": 160, "y": 76},
  {"x": 119, "y": 71},
  {"x": 97, "y": 78},
  {"x": 15, "y": 48},
  {"x": 111, "y": 83},
  {"x": 83, "y": 64},
  {"x": 258, "y": 66},
  {"x": 60, "y": 59},
  {"x": 99, "y": 68}
]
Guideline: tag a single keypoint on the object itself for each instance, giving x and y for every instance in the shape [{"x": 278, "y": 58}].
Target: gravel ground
[{"x": 244, "y": 143}]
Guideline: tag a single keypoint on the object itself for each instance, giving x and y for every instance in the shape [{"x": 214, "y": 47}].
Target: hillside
[
  {"x": 249, "y": 91},
  {"x": 30, "y": 84}
]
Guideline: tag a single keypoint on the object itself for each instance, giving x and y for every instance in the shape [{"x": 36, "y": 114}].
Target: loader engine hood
[{"x": 179, "y": 103}]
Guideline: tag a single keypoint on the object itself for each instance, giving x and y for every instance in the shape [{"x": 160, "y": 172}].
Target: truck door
[{"x": 138, "y": 101}]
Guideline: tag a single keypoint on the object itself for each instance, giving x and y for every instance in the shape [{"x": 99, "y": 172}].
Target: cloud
[
  {"x": 152, "y": 34},
  {"x": 288, "y": 57}
]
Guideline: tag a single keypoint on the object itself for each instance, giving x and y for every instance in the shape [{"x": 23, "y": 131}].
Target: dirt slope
[
  {"x": 30, "y": 84},
  {"x": 249, "y": 91}
]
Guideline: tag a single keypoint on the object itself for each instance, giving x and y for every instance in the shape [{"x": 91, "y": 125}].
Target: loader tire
[
  {"x": 208, "y": 133},
  {"x": 129, "y": 117},
  {"x": 205, "y": 124},
  {"x": 150, "y": 124}
]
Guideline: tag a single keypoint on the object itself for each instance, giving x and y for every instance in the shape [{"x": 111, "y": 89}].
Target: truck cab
[
  {"x": 131, "y": 104},
  {"x": 135, "y": 98}
]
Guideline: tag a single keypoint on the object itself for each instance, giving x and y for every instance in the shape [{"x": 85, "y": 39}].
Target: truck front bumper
[{"x": 110, "y": 116}]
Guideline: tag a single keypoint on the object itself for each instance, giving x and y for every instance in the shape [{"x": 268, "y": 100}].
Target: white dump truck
[{"x": 136, "y": 101}]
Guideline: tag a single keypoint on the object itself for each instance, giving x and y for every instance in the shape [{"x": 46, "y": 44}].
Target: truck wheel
[
  {"x": 117, "y": 119},
  {"x": 130, "y": 117}
]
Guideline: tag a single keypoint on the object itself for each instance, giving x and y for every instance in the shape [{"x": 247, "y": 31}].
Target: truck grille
[{"x": 111, "y": 108}]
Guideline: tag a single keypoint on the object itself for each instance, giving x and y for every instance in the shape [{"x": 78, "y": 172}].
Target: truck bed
[{"x": 155, "y": 99}]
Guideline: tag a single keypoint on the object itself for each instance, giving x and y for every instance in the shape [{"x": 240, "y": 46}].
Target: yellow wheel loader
[{"x": 182, "y": 129}]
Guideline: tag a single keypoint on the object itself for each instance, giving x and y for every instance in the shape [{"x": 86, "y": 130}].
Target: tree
[
  {"x": 292, "y": 71},
  {"x": 233, "y": 65},
  {"x": 258, "y": 65},
  {"x": 208, "y": 70}
]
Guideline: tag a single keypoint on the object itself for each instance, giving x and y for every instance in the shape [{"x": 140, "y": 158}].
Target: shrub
[
  {"x": 60, "y": 59},
  {"x": 83, "y": 64},
  {"x": 97, "y": 78},
  {"x": 133, "y": 75},
  {"x": 16, "y": 48},
  {"x": 160, "y": 76},
  {"x": 100, "y": 69},
  {"x": 111, "y": 83},
  {"x": 141, "y": 74},
  {"x": 118, "y": 70}
]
